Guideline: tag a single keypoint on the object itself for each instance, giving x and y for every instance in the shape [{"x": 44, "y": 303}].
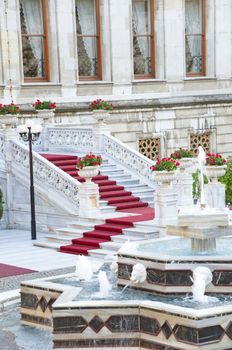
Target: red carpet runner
[
  {"x": 10, "y": 270},
  {"x": 115, "y": 195}
]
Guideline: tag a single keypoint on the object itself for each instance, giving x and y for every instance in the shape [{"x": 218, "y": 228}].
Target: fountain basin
[
  {"x": 170, "y": 264},
  {"x": 80, "y": 321}
]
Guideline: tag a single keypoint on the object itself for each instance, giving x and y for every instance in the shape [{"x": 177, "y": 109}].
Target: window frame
[
  {"x": 46, "y": 77},
  {"x": 203, "y": 45},
  {"x": 98, "y": 46},
  {"x": 152, "y": 44}
]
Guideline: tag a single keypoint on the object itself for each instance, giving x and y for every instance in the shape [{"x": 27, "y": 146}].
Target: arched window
[
  {"x": 88, "y": 39},
  {"x": 143, "y": 38},
  {"x": 195, "y": 40},
  {"x": 34, "y": 40}
]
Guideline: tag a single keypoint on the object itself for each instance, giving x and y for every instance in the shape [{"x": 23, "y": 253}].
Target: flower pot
[
  {"x": 101, "y": 115},
  {"x": 215, "y": 171},
  {"x": 165, "y": 178},
  {"x": 185, "y": 163},
  {"x": 45, "y": 113},
  {"x": 8, "y": 120},
  {"x": 88, "y": 172}
]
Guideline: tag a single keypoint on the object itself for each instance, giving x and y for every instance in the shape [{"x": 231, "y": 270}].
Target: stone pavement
[{"x": 16, "y": 248}]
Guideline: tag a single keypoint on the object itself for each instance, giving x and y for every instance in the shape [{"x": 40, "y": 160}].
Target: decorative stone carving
[
  {"x": 81, "y": 139},
  {"x": 101, "y": 115},
  {"x": 200, "y": 139},
  {"x": 47, "y": 173},
  {"x": 8, "y": 121},
  {"x": 150, "y": 147},
  {"x": 214, "y": 172},
  {"x": 123, "y": 154}
]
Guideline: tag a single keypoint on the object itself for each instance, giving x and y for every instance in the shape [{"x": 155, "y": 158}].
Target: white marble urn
[
  {"x": 101, "y": 115},
  {"x": 8, "y": 120},
  {"x": 45, "y": 113},
  {"x": 215, "y": 171},
  {"x": 184, "y": 163},
  {"x": 165, "y": 178},
  {"x": 88, "y": 172}
]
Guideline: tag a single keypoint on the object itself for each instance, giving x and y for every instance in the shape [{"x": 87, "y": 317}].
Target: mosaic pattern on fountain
[
  {"x": 179, "y": 277},
  {"x": 47, "y": 173},
  {"x": 138, "y": 325}
]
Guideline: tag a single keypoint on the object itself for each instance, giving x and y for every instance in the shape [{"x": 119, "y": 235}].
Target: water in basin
[
  {"x": 90, "y": 289},
  {"x": 182, "y": 247}
]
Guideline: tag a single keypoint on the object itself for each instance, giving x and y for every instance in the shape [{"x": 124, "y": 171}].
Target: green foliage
[
  {"x": 1, "y": 204},
  {"x": 8, "y": 109},
  {"x": 227, "y": 180},
  {"x": 89, "y": 160},
  {"x": 101, "y": 104},
  {"x": 165, "y": 164},
  {"x": 196, "y": 189},
  {"x": 182, "y": 153},
  {"x": 215, "y": 159}
]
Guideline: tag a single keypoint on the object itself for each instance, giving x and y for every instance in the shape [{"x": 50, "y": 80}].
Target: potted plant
[
  {"x": 215, "y": 166},
  {"x": 88, "y": 166},
  {"x": 165, "y": 170},
  {"x": 45, "y": 109},
  {"x": 184, "y": 156},
  {"x": 100, "y": 110},
  {"x": 8, "y": 114}
]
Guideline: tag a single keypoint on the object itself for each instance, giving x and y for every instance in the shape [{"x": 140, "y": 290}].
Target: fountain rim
[
  {"x": 158, "y": 257},
  {"x": 69, "y": 293}
]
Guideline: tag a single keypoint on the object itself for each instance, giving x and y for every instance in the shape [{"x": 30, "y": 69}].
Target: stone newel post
[
  {"x": 89, "y": 193},
  {"x": 165, "y": 198}
]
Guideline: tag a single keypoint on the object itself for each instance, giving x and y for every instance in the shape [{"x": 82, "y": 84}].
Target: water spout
[
  {"x": 104, "y": 285},
  {"x": 202, "y": 277},
  {"x": 139, "y": 273},
  {"x": 84, "y": 269}
]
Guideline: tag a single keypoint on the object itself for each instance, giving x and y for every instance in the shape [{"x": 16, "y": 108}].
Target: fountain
[{"x": 160, "y": 298}]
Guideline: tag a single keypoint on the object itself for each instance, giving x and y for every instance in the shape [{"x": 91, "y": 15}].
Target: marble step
[
  {"x": 125, "y": 182},
  {"x": 137, "y": 187},
  {"x": 71, "y": 231},
  {"x": 107, "y": 209},
  {"x": 115, "y": 246},
  {"x": 125, "y": 238},
  {"x": 140, "y": 192},
  {"x": 119, "y": 177},
  {"x": 102, "y": 254},
  {"x": 140, "y": 231},
  {"x": 112, "y": 172},
  {"x": 150, "y": 224},
  {"x": 62, "y": 239},
  {"x": 47, "y": 244}
]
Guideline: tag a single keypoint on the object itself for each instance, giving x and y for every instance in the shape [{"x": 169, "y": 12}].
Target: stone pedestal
[
  {"x": 215, "y": 195},
  {"x": 165, "y": 199},
  {"x": 89, "y": 200},
  {"x": 184, "y": 189},
  {"x": 98, "y": 131}
]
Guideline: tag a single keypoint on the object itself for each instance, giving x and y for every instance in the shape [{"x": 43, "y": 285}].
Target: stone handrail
[
  {"x": 2, "y": 146},
  {"x": 133, "y": 160},
  {"x": 47, "y": 173},
  {"x": 77, "y": 138}
]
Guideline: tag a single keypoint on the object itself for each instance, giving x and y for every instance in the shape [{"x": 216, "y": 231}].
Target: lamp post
[{"x": 30, "y": 133}]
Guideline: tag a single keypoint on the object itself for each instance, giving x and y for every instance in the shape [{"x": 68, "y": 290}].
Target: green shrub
[
  {"x": 196, "y": 189},
  {"x": 227, "y": 180}
]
